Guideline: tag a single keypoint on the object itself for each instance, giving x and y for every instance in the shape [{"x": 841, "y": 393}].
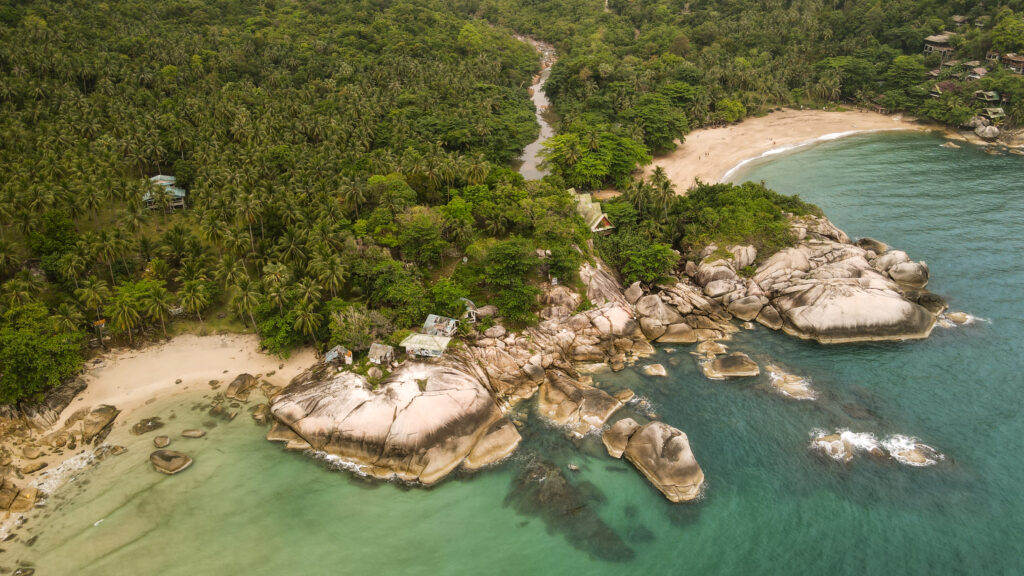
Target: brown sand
[{"x": 709, "y": 154}]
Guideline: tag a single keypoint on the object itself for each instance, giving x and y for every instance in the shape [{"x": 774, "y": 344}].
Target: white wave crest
[
  {"x": 906, "y": 450},
  {"x": 783, "y": 149}
]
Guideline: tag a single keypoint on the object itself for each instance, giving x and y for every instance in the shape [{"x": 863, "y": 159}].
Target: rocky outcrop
[
  {"x": 565, "y": 401},
  {"x": 43, "y": 415},
  {"x": 662, "y": 454},
  {"x": 421, "y": 423},
  {"x": 826, "y": 288},
  {"x": 98, "y": 422}
]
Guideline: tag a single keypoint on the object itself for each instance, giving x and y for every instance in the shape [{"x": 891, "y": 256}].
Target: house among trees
[
  {"x": 977, "y": 73},
  {"x": 1014, "y": 62},
  {"x": 591, "y": 213},
  {"x": 959, "y": 20},
  {"x": 994, "y": 114},
  {"x": 986, "y": 96},
  {"x": 440, "y": 325},
  {"x": 176, "y": 196},
  {"x": 992, "y": 56},
  {"x": 426, "y": 345},
  {"x": 381, "y": 354},
  {"x": 470, "y": 314},
  {"x": 338, "y": 355},
  {"x": 939, "y": 43},
  {"x": 941, "y": 88}
]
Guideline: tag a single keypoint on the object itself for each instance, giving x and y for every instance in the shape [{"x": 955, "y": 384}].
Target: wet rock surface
[{"x": 169, "y": 461}]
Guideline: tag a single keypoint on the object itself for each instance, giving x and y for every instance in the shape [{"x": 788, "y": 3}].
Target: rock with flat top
[
  {"x": 633, "y": 293},
  {"x": 147, "y": 425},
  {"x": 162, "y": 441},
  {"x": 169, "y": 461},
  {"x": 679, "y": 334},
  {"x": 495, "y": 332},
  {"x": 653, "y": 370},
  {"x": 193, "y": 433},
  {"x": 8, "y": 492},
  {"x": 746, "y": 308},
  {"x": 25, "y": 501},
  {"x": 662, "y": 454},
  {"x": 735, "y": 365}
]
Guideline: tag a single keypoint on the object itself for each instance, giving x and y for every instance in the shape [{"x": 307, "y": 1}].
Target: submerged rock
[
  {"x": 788, "y": 384},
  {"x": 169, "y": 461},
  {"x": 662, "y": 454},
  {"x": 162, "y": 441},
  {"x": 541, "y": 489},
  {"x": 193, "y": 433},
  {"x": 147, "y": 425},
  {"x": 735, "y": 365},
  {"x": 418, "y": 425}
]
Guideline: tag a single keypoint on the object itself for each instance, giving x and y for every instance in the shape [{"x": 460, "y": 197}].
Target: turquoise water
[{"x": 771, "y": 505}]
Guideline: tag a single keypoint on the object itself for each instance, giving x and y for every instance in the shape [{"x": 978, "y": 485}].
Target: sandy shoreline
[
  {"x": 133, "y": 379},
  {"x": 712, "y": 154}
]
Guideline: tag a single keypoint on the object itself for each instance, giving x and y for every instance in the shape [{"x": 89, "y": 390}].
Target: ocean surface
[{"x": 771, "y": 504}]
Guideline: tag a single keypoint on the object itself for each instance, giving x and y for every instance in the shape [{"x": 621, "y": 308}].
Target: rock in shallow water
[
  {"x": 169, "y": 461},
  {"x": 419, "y": 424},
  {"x": 616, "y": 437},
  {"x": 662, "y": 454},
  {"x": 147, "y": 425},
  {"x": 654, "y": 370},
  {"x": 582, "y": 408},
  {"x": 735, "y": 365},
  {"x": 162, "y": 441}
]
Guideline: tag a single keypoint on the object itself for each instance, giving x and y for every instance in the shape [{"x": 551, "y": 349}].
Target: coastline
[
  {"x": 133, "y": 379},
  {"x": 713, "y": 155}
]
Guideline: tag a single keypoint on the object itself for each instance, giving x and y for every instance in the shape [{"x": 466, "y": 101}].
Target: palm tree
[
  {"x": 308, "y": 291},
  {"x": 66, "y": 318},
  {"x": 17, "y": 292},
  {"x": 194, "y": 298},
  {"x": 93, "y": 293},
  {"x": 246, "y": 298},
  {"x": 124, "y": 314},
  {"x": 8, "y": 257},
  {"x": 306, "y": 320},
  {"x": 156, "y": 305}
]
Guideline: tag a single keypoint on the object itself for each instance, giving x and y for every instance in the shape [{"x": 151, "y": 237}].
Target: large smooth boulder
[
  {"x": 98, "y": 420},
  {"x": 662, "y": 454},
  {"x": 678, "y": 334},
  {"x": 616, "y": 437},
  {"x": 987, "y": 132},
  {"x": 913, "y": 274},
  {"x": 8, "y": 492},
  {"x": 581, "y": 408},
  {"x": 241, "y": 387},
  {"x": 500, "y": 441},
  {"x": 746, "y": 308},
  {"x": 654, "y": 370},
  {"x": 169, "y": 461},
  {"x": 633, "y": 293},
  {"x": 769, "y": 316},
  {"x": 418, "y": 425},
  {"x": 25, "y": 500},
  {"x": 735, "y": 365}
]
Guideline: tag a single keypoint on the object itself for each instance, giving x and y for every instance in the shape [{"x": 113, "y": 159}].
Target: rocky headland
[{"x": 429, "y": 418}]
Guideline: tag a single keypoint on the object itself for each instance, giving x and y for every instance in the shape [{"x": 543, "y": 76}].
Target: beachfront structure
[
  {"x": 940, "y": 44},
  {"x": 591, "y": 213},
  {"x": 440, "y": 325},
  {"x": 986, "y": 96},
  {"x": 1013, "y": 62},
  {"x": 176, "y": 195},
  {"x": 425, "y": 345},
  {"x": 994, "y": 114},
  {"x": 381, "y": 354},
  {"x": 338, "y": 355}
]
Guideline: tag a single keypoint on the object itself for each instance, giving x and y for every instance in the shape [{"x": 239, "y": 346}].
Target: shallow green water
[{"x": 771, "y": 506}]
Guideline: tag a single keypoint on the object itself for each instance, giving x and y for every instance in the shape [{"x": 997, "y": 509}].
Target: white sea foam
[
  {"x": 783, "y": 149},
  {"x": 780, "y": 381},
  {"x": 906, "y": 450},
  {"x": 50, "y": 481},
  {"x": 339, "y": 463}
]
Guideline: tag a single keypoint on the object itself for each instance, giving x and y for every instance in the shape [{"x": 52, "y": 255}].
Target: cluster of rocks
[
  {"x": 843, "y": 445},
  {"x": 826, "y": 288},
  {"x": 26, "y": 449},
  {"x": 983, "y": 128}
]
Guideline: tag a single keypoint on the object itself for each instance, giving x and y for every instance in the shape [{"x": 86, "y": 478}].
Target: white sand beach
[{"x": 712, "y": 154}]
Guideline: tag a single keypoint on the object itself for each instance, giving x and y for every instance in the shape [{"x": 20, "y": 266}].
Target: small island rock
[
  {"x": 662, "y": 454},
  {"x": 735, "y": 365},
  {"x": 169, "y": 461}
]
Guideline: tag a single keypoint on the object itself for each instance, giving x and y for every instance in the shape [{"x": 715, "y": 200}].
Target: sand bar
[{"x": 712, "y": 154}]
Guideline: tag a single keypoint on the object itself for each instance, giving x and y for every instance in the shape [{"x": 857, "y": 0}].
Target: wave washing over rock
[{"x": 843, "y": 445}]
